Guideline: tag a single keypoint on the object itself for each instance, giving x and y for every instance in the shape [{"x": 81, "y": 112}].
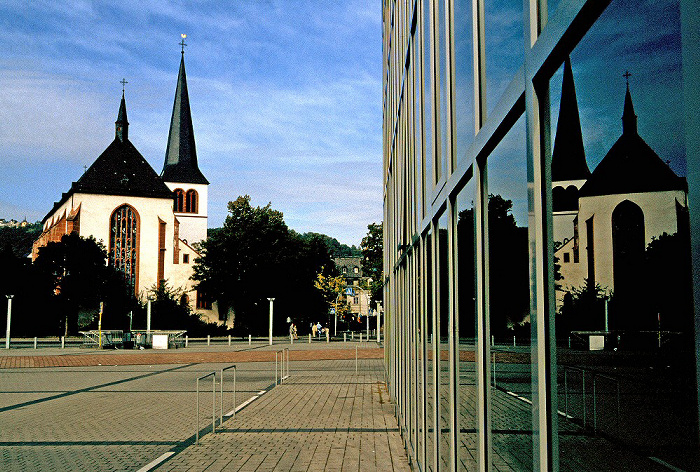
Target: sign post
[
  {"x": 271, "y": 301},
  {"x": 9, "y": 319},
  {"x": 99, "y": 326}
]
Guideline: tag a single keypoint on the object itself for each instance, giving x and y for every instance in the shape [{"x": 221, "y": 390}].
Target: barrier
[
  {"x": 281, "y": 357},
  {"x": 213, "y": 404},
  {"x": 221, "y": 384},
  {"x": 595, "y": 395}
]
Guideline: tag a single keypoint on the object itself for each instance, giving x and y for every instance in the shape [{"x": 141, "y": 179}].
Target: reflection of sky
[{"x": 642, "y": 37}]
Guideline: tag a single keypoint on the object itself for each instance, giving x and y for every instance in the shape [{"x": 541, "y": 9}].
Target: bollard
[
  {"x": 360, "y": 337},
  {"x": 291, "y": 339},
  {"x": 249, "y": 340},
  {"x": 63, "y": 342},
  {"x": 309, "y": 338},
  {"x": 513, "y": 341},
  {"x": 186, "y": 340},
  {"x": 493, "y": 340},
  {"x": 345, "y": 337},
  {"x": 356, "y": 359},
  {"x": 328, "y": 337},
  {"x": 229, "y": 339},
  {"x": 208, "y": 339},
  {"x": 352, "y": 335},
  {"x": 34, "y": 342}
]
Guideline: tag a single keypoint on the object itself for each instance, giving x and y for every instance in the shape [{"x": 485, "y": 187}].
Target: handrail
[
  {"x": 595, "y": 375},
  {"x": 213, "y": 404},
  {"x": 221, "y": 383}
]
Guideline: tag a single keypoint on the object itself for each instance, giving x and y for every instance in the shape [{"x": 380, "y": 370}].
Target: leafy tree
[
  {"x": 170, "y": 310},
  {"x": 333, "y": 290},
  {"x": 335, "y": 247},
  {"x": 19, "y": 239},
  {"x": 372, "y": 247},
  {"x": 73, "y": 272},
  {"x": 583, "y": 310},
  {"x": 254, "y": 256}
]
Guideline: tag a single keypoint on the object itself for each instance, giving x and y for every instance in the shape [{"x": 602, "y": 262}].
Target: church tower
[
  {"x": 180, "y": 170},
  {"x": 569, "y": 168}
]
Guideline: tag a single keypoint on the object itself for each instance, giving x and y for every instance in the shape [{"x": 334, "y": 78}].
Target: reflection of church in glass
[{"x": 607, "y": 223}]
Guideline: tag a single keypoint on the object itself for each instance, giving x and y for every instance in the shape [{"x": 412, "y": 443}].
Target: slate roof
[
  {"x": 631, "y": 165},
  {"x": 181, "y": 153},
  {"x": 568, "y": 156},
  {"x": 119, "y": 170}
]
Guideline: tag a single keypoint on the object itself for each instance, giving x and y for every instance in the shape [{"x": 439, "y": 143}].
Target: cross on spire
[
  {"x": 123, "y": 82},
  {"x": 627, "y": 76},
  {"x": 182, "y": 43}
]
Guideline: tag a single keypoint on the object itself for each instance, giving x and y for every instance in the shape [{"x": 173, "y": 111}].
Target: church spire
[
  {"x": 121, "y": 126},
  {"x": 568, "y": 156},
  {"x": 181, "y": 153},
  {"x": 629, "y": 119}
]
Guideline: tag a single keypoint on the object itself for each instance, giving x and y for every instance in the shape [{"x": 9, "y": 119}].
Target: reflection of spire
[
  {"x": 568, "y": 156},
  {"x": 629, "y": 119}
]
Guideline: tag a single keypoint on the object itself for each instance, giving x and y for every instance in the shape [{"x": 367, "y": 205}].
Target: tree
[
  {"x": 332, "y": 290},
  {"x": 254, "y": 256},
  {"x": 19, "y": 239},
  {"x": 74, "y": 273},
  {"x": 372, "y": 247}
]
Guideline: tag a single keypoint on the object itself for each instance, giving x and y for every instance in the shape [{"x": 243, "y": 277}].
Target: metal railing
[
  {"x": 281, "y": 365},
  {"x": 595, "y": 396},
  {"x": 221, "y": 383},
  {"x": 213, "y": 404}
]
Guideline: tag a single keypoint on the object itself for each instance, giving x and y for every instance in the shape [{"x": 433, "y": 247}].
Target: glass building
[{"x": 541, "y": 168}]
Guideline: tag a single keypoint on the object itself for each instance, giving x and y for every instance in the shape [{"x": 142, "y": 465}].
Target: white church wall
[
  {"x": 95, "y": 216},
  {"x": 563, "y": 225},
  {"x": 659, "y": 210},
  {"x": 193, "y": 226}
]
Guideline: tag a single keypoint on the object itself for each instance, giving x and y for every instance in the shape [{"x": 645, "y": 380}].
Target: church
[
  {"x": 149, "y": 223},
  {"x": 604, "y": 220}
]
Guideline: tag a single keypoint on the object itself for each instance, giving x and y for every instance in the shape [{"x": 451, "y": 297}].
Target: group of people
[{"x": 317, "y": 330}]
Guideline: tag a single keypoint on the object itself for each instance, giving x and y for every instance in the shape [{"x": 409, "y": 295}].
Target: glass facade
[{"x": 540, "y": 172}]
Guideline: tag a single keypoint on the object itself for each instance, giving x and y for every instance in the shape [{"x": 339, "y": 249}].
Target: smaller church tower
[{"x": 180, "y": 170}]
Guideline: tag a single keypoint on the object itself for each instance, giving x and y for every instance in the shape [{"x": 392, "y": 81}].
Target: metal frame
[{"x": 415, "y": 200}]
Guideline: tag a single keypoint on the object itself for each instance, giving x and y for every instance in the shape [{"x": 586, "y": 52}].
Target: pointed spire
[
  {"x": 181, "y": 153},
  {"x": 122, "y": 125},
  {"x": 629, "y": 119},
  {"x": 568, "y": 156}
]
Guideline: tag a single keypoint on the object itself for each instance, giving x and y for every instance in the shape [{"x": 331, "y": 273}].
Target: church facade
[
  {"x": 603, "y": 221},
  {"x": 149, "y": 223}
]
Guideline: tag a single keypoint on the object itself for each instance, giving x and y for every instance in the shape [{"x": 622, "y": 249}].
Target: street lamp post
[
  {"x": 271, "y": 301},
  {"x": 9, "y": 318}
]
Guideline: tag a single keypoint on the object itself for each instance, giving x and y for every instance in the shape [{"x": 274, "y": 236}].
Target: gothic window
[
  {"x": 191, "y": 204},
  {"x": 179, "y": 200},
  {"x": 123, "y": 243},
  {"x": 628, "y": 253}
]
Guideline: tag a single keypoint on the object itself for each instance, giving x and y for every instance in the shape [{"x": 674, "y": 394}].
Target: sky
[{"x": 285, "y": 98}]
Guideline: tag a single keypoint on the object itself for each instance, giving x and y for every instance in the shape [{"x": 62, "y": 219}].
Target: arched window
[
  {"x": 191, "y": 204},
  {"x": 628, "y": 256},
  {"x": 179, "y": 200},
  {"x": 123, "y": 243}
]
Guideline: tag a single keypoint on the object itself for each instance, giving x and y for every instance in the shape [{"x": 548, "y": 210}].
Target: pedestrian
[
  {"x": 314, "y": 328},
  {"x": 318, "y": 330}
]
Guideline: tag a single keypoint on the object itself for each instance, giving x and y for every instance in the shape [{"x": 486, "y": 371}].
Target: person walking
[{"x": 314, "y": 328}]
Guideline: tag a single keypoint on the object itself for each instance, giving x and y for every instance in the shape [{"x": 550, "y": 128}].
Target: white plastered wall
[
  {"x": 193, "y": 226},
  {"x": 659, "y": 210}
]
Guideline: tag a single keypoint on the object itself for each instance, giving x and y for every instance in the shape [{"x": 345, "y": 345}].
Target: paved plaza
[{"x": 80, "y": 409}]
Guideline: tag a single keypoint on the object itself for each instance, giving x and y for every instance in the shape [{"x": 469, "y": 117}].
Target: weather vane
[
  {"x": 123, "y": 82},
  {"x": 182, "y": 43}
]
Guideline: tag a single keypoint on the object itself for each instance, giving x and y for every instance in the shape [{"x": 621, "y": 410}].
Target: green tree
[
  {"x": 76, "y": 273},
  {"x": 254, "y": 256},
  {"x": 19, "y": 239},
  {"x": 372, "y": 247}
]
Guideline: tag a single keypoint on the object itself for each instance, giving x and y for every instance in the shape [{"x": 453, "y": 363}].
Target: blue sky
[{"x": 285, "y": 97}]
